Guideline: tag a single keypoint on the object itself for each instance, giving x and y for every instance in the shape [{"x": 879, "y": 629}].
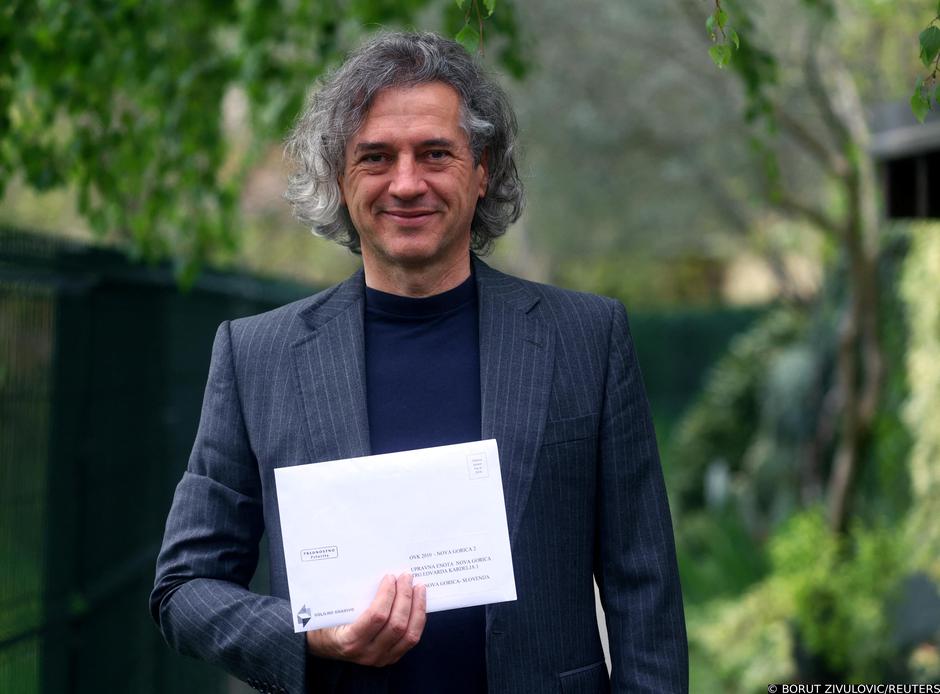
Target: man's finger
[
  {"x": 398, "y": 618},
  {"x": 371, "y": 622},
  {"x": 416, "y": 622}
]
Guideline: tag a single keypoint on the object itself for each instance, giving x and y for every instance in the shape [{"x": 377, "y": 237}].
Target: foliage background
[{"x": 710, "y": 201}]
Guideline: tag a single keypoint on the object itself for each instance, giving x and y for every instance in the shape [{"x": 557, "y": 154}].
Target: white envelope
[{"x": 435, "y": 512}]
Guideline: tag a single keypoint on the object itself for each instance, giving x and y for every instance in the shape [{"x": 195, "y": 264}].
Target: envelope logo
[
  {"x": 477, "y": 467},
  {"x": 303, "y": 616}
]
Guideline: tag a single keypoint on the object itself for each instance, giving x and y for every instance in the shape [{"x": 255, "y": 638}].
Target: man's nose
[{"x": 407, "y": 179}]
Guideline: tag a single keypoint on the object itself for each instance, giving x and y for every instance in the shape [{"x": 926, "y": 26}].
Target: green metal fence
[{"x": 102, "y": 367}]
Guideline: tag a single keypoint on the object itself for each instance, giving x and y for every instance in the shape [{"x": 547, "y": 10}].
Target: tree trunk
[{"x": 860, "y": 364}]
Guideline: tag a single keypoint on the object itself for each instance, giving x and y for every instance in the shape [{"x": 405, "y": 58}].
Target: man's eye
[
  {"x": 374, "y": 158},
  {"x": 437, "y": 154}
]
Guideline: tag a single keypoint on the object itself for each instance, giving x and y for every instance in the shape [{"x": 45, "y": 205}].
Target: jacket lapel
[
  {"x": 516, "y": 367},
  {"x": 329, "y": 363}
]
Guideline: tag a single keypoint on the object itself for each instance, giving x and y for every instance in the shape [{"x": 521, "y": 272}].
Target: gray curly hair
[{"x": 338, "y": 105}]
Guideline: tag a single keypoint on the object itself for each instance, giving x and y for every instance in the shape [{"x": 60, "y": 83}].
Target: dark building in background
[{"x": 908, "y": 154}]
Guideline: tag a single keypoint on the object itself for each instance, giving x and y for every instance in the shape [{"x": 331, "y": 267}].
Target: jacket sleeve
[
  {"x": 200, "y": 598},
  {"x": 635, "y": 559}
]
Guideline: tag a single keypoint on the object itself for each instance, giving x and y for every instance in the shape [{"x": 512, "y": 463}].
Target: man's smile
[{"x": 409, "y": 217}]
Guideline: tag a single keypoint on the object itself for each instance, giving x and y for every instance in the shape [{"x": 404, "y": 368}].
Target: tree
[
  {"x": 124, "y": 100},
  {"x": 926, "y": 90},
  {"x": 825, "y": 120}
]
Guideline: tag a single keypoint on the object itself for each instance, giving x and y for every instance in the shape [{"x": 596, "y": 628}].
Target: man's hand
[{"x": 383, "y": 633}]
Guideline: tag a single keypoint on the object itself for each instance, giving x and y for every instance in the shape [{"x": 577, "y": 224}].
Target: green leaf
[
  {"x": 920, "y": 104},
  {"x": 721, "y": 17},
  {"x": 469, "y": 38},
  {"x": 461, "y": 4},
  {"x": 720, "y": 54},
  {"x": 733, "y": 37},
  {"x": 490, "y": 6},
  {"x": 710, "y": 25},
  {"x": 929, "y": 44}
]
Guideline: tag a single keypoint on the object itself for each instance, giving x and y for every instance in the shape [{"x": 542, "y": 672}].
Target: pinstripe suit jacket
[{"x": 563, "y": 397}]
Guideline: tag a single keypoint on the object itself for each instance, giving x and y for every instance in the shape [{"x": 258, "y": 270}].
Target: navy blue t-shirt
[{"x": 423, "y": 389}]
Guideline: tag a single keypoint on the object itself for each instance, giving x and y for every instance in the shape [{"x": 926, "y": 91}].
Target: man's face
[{"x": 410, "y": 183}]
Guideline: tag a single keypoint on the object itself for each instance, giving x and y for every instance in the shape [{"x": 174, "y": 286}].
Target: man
[{"x": 406, "y": 154}]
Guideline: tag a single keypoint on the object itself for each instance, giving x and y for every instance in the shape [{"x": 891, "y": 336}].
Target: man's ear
[{"x": 342, "y": 193}]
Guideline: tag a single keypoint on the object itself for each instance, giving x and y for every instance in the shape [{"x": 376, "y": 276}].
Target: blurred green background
[{"x": 770, "y": 227}]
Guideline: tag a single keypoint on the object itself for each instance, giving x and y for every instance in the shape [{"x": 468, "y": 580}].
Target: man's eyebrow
[
  {"x": 439, "y": 142},
  {"x": 370, "y": 146}
]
